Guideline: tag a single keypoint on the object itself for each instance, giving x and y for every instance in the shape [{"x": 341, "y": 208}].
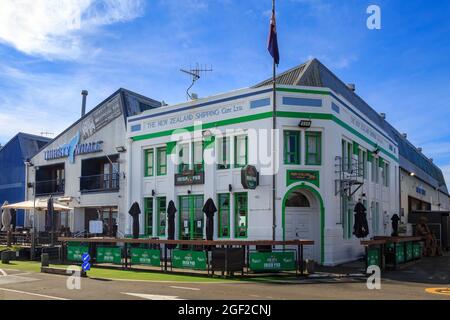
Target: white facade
[
  {"x": 248, "y": 113},
  {"x": 86, "y": 168}
]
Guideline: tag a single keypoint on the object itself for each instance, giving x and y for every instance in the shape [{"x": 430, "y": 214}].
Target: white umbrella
[
  {"x": 6, "y": 217},
  {"x": 40, "y": 205}
]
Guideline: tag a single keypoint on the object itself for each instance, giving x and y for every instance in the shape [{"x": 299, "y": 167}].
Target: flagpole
[{"x": 274, "y": 127}]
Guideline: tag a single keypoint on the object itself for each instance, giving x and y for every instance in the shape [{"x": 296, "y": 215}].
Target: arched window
[{"x": 297, "y": 200}]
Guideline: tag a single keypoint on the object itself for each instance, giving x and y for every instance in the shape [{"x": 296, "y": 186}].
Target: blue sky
[{"x": 50, "y": 51}]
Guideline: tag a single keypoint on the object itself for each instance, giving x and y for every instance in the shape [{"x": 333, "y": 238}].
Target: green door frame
[
  {"x": 191, "y": 199},
  {"x": 322, "y": 215}
]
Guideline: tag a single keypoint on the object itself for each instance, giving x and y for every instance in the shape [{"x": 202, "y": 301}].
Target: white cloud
[{"x": 55, "y": 29}]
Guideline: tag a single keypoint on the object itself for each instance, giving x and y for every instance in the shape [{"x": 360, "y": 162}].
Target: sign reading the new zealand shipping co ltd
[
  {"x": 73, "y": 148},
  {"x": 249, "y": 177},
  {"x": 189, "y": 177}
]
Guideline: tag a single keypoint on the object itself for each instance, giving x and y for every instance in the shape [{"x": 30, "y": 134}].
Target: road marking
[
  {"x": 185, "y": 288},
  {"x": 33, "y": 294},
  {"x": 444, "y": 291},
  {"x": 152, "y": 296},
  {"x": 3, "y": 272}
]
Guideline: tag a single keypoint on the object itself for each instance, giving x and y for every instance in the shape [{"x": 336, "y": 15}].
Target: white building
[
  {"x": 342, "y": 151},
  {"x": 86, "y": 167}
]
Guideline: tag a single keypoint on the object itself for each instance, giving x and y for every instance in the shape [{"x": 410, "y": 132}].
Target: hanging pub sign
[
  {"x": 189, "y": 177},
  {"x": 249, "y": 177}
]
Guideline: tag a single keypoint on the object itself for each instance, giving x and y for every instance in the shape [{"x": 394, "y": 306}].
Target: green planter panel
[
  {"x": 373, "y": 257},
  {"x": 109, "y": 255},
  {"x": 272, "y": 261},
  {"x": 151, "y": 257},
  {"x": 75, "y": 253},
  {"x": 189, "y": 259}
]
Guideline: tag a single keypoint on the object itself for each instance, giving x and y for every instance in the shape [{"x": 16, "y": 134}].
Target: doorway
[
  {"x": 191, "y": 217},
  {"x": 302, "y": 221}
]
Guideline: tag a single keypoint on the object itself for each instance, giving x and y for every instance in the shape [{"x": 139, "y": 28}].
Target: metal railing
[
  {"x": 100, "y": 182},
  {"x": 47, "y": 187}
]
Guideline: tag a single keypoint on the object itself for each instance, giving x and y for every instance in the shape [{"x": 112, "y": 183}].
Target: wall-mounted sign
[
  {"x": 73, "y": 148},
  {"x": 293, "y": 176},
  {"x": 421, "y": 191},
  {"x": 189, "y": 177},
  {"x": 249, "y": 177},
  {"x": 101, "y": 117}
]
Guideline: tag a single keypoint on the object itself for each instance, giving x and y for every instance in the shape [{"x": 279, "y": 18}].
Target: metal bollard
[{"x": 44, "y": 260}]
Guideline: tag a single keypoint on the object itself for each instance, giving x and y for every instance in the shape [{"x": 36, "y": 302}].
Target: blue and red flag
[{"x": 273, "y": 40}]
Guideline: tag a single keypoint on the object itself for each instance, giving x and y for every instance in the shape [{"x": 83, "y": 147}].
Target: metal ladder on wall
[{"x": 350, "y": 176}]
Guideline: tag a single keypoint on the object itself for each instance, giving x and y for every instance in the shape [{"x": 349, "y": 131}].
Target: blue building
[{"x": 12, "y": 168}]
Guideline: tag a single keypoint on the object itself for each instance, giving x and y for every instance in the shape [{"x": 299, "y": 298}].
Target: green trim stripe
[{"x": 265, "y": 115}]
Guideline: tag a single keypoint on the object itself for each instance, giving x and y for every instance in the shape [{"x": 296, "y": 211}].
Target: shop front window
[
  {"x": 148, "y": 216},
  {"x": 191, "y": 217},
  {"x": 161, "y": 216},
  {"x": 224, "y": 215},
  {"x": 241, "y": 215}
]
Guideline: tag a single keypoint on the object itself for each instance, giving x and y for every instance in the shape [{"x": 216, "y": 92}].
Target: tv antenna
[
  {"x": 46, "y": 134},
  {"x": 195, "y": 74}
]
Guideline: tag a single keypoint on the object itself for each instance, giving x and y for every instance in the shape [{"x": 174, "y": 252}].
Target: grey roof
[
  {"x": 30, "y": 144},
  {"x": 314, "y": 74}
]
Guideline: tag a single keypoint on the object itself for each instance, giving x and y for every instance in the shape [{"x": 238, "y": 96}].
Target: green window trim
[
  {"x": 314, "y": 159},
  {"x": 192, "y": 201},
  {"x": 295, "y": 154},
  {"x": 148, "y": 216},
  {"x": 161, "y": 215},
  {"x": 223, "y": 144},
  {"x": 236, "y": 164},
  {"x": 224, "y": 230},
  {"x": 149, "y": 165},
  {"x": 184, "y": 147},
  {"x": 238, "y": 229},
  {"x": 161, "y": 165},
  {"x": 198, "y": 166},
  {"x": 355, "y": 148}
]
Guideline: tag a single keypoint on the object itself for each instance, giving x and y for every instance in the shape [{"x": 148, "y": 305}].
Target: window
[
  {"x": 148, "y": 170},
  {"x": 291, "y": 147},
  {"x": 240, "y": 151},
  {"x": 224, "y": 215},
  {"x": 183, "y": 158},
  {"x": 364, "y": 164},
  {"x": 198, "y": 156},
  {"x": 161, "y": 216},
  {"x": 374, "y": 165},
  {"x": 161, "y": 161},
  {"x": 313, "y": 148},
  {"x": 346, "y": 156},
  {"x": 347, "y": 215},
  {"x": 386, "y": 174},
  {"x": 241, "y": 215},
  {"x": 375, "y": 210},
  {"x": 223, "y": 154},
  {"x": 297, "y": 200},
  {"x": 148, "y": 216}
]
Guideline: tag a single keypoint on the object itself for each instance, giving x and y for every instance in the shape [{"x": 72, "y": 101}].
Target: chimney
[
  {"x": 383, "y": 116},
  {"x": 419, "y": 149},
  {"x": 404, "y": 135},
  {"x": 84, "y": 93},
  {"x": 351, "y": 86}
]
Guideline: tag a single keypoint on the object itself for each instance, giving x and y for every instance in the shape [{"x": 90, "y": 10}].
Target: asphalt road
[{"x": 19, "y": 285}]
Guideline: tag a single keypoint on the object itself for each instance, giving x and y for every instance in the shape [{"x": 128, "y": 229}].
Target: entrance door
[
  {"x": 302, "y": 221},
  {"x": 191, "y": 217}
]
